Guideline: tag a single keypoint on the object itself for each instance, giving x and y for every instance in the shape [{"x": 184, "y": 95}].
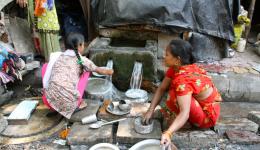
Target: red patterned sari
[{"x": 192, "y": 79}]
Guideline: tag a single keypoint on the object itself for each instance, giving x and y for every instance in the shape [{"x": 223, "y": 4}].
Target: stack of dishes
[{"x": 137, "y": 95}]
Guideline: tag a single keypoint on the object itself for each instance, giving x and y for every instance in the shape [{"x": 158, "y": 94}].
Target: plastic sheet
[{"x": 204, "y": 16}]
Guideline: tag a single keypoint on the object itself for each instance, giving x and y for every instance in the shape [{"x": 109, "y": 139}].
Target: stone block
[
  {"x": 22, "y": 112},
  {"x": 243, "y": 91},
  {"x": 135, "y": 35},
  {"x": 254, "y": 116},
  {"x": 83, "y": 135},
  {"x": 237, "y": 109},
  {"x": 92, "y": 108},
  {"x": 194, "y": 139},
  {"x": 243, "y": 137},
  {"x": 241, "y": 124},
  {"x": 126, "y": 133},
  {"x": 198, "y": 138}
]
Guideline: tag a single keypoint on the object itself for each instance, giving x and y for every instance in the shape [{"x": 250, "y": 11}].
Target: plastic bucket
[{"x": 241, "y": 45}]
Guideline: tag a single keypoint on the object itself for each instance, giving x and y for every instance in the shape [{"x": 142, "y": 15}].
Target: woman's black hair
[
  {"x": 182, "y": 49},
  {"x": 73, "y": 40}
]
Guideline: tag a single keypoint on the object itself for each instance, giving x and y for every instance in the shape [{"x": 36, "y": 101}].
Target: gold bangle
[{"x": 169, "y": 133}]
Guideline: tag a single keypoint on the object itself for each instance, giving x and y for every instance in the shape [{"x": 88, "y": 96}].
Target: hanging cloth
[{"x": 40, "y": 7}]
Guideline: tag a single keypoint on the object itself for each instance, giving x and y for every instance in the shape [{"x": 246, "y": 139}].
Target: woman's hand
[
  {"x": 22, "y": 3},
  {"x": 148, "y": 115},
  {"x": 166, "y": 139}
]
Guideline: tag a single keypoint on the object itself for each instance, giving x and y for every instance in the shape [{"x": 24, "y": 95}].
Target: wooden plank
[{"x": 22, "y": 112}]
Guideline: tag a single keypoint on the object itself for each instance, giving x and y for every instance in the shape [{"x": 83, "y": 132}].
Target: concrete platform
[
  {"x": 92, "y": 108},
  {"x": 83, "y": 135},
  {"x": 126, "y": 133},
  {"x": 241, "y": 124}
]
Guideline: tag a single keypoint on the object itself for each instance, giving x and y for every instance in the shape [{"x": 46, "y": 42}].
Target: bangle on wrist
[{"x": 169, "y": 133}]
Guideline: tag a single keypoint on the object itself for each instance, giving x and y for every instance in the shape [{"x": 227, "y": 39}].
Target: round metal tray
[{"x": 116, "y": 110}]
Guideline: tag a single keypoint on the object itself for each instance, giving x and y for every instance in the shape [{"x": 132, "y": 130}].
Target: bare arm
[
  {"x": 159, "y": 92},
  {"x": 184, "y": 104},
  {"x": 104, "y": 71},
  {"x": 156, "y": 99},
  {"x": 92, "y": 67}
]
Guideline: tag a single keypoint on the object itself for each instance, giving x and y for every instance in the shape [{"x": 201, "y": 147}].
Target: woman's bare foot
[{"x": 83, "y": 105}]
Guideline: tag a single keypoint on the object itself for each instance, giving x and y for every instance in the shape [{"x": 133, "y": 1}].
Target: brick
[
  {"x": 126, "y": 133},
  {"x": 22, "y": 112}
]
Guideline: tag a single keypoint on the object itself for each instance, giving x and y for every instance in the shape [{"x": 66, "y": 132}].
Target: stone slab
[
  {"x": 242, "y": 137},
  {"x": 37, "y": 124},
  {"x": 126, "y": 133},
  {"x": 22, "y": 112},
  {"x": 195, "y": 139},
  {"x": 254, "y": 116},
  {"x": 83, "y": 135},
  {"x": 92, "y": 108},
  {"x": 241, "y": 124},
  {"x": 237, "y": 109},
  {"x": 137, "y": 109}
]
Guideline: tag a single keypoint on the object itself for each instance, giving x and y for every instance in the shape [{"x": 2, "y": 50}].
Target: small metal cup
[{"x": 89, "y": 119}]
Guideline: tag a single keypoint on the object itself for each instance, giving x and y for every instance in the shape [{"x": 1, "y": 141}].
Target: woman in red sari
[{"x": 192, "y": 94}]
